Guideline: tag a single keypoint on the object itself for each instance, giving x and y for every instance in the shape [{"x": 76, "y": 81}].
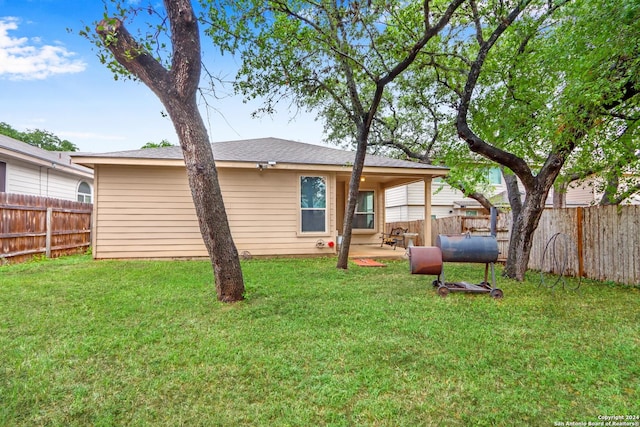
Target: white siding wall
[
  {"x": 406, "y": 203},
  {"x": 580, "y": 193},
  {"x": 441, "y": 211},
  {"x": 24, "y": 178},
  {"x": 443, "y": 195},
  {"x": 442, "y": 198},
  {"x": 397, "y": 213},
  {"x": 396, "y": 196}
]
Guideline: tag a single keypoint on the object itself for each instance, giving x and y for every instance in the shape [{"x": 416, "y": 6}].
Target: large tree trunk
[
  {"x": 177, "y": 89},
  {"x": 513, "y": 194},
  {"x": 522, "y": 229},
  {"x": 526, "y": 215},
  {"x": 207, "y": 199},
  {"x": 352, "y": 199}
]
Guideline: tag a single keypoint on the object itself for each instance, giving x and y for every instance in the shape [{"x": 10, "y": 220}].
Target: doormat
[{"x": 365, "y": 262}]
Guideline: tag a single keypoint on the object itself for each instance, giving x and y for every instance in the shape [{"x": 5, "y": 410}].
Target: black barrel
[{"x": 467, "y": 248}]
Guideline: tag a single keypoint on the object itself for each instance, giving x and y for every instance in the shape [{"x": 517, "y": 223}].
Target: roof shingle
[
  {"x": 263, "y": 150},
  {"x": 55, "y": 157}
]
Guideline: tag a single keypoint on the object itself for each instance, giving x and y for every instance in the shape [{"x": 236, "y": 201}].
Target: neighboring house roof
[
  {"x": 32, "y": 154},
  {"x": 264, "y": 150},
  {"x": 467, "y": 203}
]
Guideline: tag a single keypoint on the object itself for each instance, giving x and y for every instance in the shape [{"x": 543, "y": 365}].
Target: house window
[
  {"x": 495, "y": 176},
  {"x": 364, "y": 217},
  {"x": 313, "y": 204},
  {"x": 84, "y": 192},
  {"x": 471, "y": 213},
  {"x": 3, "y": 177}
]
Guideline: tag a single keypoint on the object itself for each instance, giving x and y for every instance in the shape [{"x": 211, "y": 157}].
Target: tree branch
[
  {"x": 128, "y": 52},
  {"x": 476, "y": 144},
  {"x": 184, "y": 77},
  {"x": 477, "y": 22},
  {"x": 429, "y": 33},
  {"x": 630, "y": 191},
  {"x": 186, "y": 61}
]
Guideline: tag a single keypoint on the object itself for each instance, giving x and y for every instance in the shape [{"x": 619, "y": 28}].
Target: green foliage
[
  {"x": 163, "y": 143},
  {"x": 332, "y": 58},
  {"x": 145, "y": 343},
  {"x": 153, "y": 34},
  {"x": 38, "y": 138},
  {"x": 566, "y": 86},
  {"x": 555, "y": 81}
]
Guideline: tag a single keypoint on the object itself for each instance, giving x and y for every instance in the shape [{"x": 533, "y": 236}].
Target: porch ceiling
[{"x": 386, "y": 180}]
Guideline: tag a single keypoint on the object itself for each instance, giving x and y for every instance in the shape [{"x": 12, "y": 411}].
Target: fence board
[
  {"x": 411, "y": 226},
  {"x": 555, "y": 243},
  {"x": 23, "y": 226}
]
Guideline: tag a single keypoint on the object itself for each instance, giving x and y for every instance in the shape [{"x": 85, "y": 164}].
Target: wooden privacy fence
[
  {"x": 600, "y": 242},
  {"x": 32, "y": 225}
]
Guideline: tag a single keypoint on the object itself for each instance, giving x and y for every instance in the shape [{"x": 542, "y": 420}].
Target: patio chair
[{"x": 395, "y": 236}]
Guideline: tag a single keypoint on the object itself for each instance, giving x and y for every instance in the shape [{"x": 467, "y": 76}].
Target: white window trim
[
  {"x": 375, "y": 213},
  {"x": 326, "y": 208},
  {"x": 84, "y": 195}
]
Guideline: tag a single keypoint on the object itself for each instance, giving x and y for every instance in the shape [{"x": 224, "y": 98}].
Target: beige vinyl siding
[
  {"x": 264, "y": 211},
  {"x": 147, "y": 212}
]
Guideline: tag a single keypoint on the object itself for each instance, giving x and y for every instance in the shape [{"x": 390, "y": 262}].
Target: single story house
[
  {"x": 26, "y": 169},
  {"x": 406, "y": 202},
  {"x": 282, "y": 198}
]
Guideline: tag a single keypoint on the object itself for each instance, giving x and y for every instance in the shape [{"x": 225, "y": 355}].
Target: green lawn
[{"x": 145, "y": 343}]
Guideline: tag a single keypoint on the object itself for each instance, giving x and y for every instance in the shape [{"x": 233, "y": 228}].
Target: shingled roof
[
  {"x": 264, "y": 150},
  {"x": 61, "y": 158}
]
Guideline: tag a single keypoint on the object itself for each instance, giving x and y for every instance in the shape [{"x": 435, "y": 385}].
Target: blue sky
[{"x": 51, "y": 79}]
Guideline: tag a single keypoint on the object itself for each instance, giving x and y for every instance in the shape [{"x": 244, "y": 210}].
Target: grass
[{"x": 145, "y": 343}]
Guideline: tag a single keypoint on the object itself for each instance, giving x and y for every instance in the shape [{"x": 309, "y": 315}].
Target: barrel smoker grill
[{"x": 459, "y": 248}]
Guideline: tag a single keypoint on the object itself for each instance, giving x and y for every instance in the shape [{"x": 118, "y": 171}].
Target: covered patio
[{"x": 377, "y": 252}]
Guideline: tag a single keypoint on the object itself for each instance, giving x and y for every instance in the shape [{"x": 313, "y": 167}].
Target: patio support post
[{"x": 426, "y": 230}]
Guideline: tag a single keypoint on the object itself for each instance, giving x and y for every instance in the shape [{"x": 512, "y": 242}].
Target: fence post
[
  {"x": 579, "y": 216},
  {"x": 48, "y": 238},
  {"x": 426, "y": 226}
]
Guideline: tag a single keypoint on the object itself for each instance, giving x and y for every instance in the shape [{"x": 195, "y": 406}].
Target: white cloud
[{"x": 24, "y": 59}]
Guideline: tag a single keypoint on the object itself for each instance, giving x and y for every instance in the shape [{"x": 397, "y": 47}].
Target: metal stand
[{"x": 444, "y": 287}]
